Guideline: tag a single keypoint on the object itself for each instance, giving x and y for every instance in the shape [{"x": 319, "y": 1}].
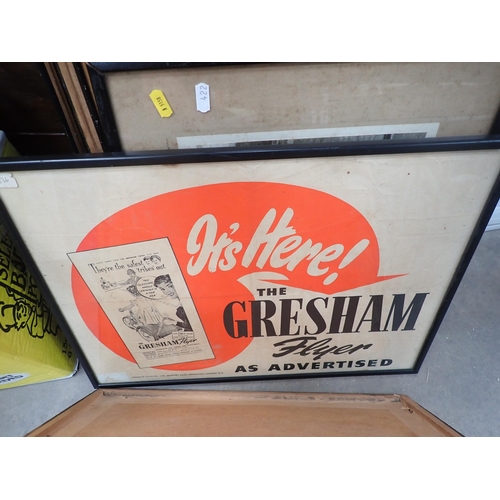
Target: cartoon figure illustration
[
  {"x": 18, "y": 315},
  {"x": 152, "y": 259},
  {"x": 130, "y": 283},
  {"x": 155, "y": 318},
  {"x": 164, "y": 283},
  {"x": 106, "y": 284}
]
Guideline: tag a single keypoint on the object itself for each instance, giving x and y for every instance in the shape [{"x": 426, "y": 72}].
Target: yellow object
[
  {"x": 161, "y": 103},
  {"x": 32, "y": 346},
  {"x": 6, "y": 148}
]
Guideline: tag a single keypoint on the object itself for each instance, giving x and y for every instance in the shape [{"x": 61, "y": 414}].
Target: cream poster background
[{"x": 422, "y": 208}]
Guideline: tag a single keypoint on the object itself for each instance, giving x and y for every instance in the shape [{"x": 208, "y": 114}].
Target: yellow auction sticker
[{"x": 161, "y": 103}]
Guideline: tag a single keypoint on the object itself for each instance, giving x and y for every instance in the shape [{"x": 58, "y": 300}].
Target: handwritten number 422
[{"x": 203, "y": 92}]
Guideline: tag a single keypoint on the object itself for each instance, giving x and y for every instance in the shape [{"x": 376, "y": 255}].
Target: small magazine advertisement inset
[{"x": 142, "y": 291}]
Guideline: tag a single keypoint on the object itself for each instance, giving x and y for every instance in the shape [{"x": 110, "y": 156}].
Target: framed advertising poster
[
  {"x": 220, "y": 265},
  {"x": 157, "y": 106}
]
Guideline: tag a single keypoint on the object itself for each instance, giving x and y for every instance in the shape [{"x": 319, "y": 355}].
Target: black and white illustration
[{"x": 142, "y": 292}]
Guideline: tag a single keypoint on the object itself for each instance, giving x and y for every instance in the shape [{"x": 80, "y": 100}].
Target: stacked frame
[
  {"x": 293, "y": 103},
  {"x": 256, "y": 263}
]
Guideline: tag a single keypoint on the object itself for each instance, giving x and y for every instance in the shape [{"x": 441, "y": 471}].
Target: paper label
[
  {"x": 13, "y": 377},
  {"x": 202, "y": 91},
  {"x": 161, "y": 103},
  {"x": 8, "y": 181}
]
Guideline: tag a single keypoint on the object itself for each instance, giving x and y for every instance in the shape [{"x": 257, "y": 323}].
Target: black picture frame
[
  {"x": 112, "y": 139},
  {"x": 98, "y": 72},
  {"x": 30, "y": 170}
]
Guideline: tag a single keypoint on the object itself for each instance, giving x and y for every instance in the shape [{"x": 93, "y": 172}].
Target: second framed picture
[{"x": 158, "y": 106}]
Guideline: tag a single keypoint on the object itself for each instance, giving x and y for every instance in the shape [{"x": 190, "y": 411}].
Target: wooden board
[
  {"x": 30, "y": 115},
  {"x": 218, "y": 413},
  {"x": 81, "y": 110}
]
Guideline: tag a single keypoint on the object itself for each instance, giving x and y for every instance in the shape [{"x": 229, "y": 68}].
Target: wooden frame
[
  {"x": 257, "y": 104},
  {"x": 122, "y": 413},
  {"x": 75, "y": 98},
  {"x": 281, "y": 262}
]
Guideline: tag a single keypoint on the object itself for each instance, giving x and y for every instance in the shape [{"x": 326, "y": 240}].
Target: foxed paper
[
  {"x": 141, "y": 290},
  {"x": 306, "y": 266}
]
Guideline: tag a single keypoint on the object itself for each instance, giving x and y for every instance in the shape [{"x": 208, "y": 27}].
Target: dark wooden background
[{"x": 30, "y": 114}]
